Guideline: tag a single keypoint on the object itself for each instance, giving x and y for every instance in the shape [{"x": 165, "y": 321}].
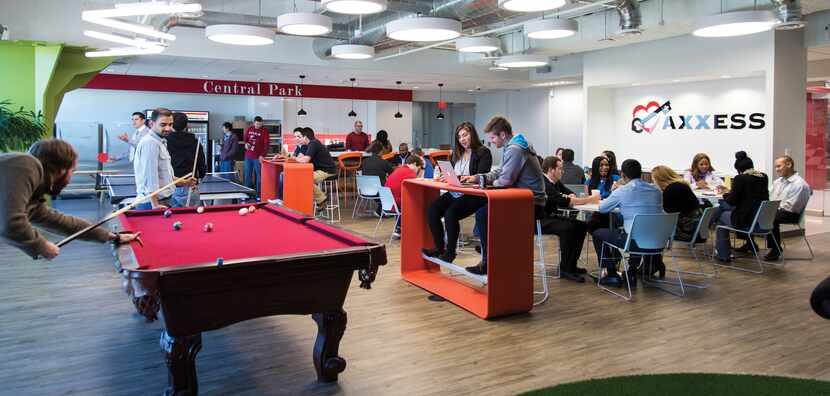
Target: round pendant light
[
  {"x": 304, "y": 24},
  {"x": 423, "y": 29},
  {"x": 351, "y": 112},
  {"x": 355, "y": 7},
  {"x": 736, "y": 23},
  {"x": 522, "y": 61},
  {"x": 302, "y": 112},
  {"x": 398, "y": 114},
  {"x": 477, "y": 44},
  {"x": 530, "y": 5},
  {"x": 352, "y": 51},
  {"x": 240, "y": 34},
  {"x": 547, "y": 29}
]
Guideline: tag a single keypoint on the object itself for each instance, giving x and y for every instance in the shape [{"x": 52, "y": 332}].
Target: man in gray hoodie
[{"x": 520, "y": 168}]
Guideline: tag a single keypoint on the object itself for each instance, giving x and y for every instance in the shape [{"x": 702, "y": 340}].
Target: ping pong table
[{"x": 121, "y": 189}]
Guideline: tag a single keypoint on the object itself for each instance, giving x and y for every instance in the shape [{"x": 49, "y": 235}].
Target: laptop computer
[{"x": 449, "y": 175}]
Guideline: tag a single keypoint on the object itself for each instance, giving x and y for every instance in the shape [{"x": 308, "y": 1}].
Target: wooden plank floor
[{"x": 68, "y": 328}]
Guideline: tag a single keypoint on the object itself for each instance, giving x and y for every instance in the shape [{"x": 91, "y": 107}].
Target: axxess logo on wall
[{"x": 654, "y": 115}]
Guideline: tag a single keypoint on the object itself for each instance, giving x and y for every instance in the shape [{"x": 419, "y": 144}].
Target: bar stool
[
  {"x": 330, "y": 187},
  {"x": 349, "y": 162}
]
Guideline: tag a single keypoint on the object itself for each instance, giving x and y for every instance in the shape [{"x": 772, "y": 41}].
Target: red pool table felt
[{"x": 269, "y": 231}]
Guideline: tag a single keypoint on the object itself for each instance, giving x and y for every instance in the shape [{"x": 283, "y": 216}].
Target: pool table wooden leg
[
  {"x": 330, "y": 328},
  {"x": 148, "y": 306},
  {"x": 180, "y": 355}
]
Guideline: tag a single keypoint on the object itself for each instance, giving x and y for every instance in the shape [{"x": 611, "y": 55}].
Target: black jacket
[
  {"x": 377, "y": 166},
  {"x": 182, "y": 147},
  {"x": 557, "y": 196},
  {"x": 480, "y": 161},
  {"x": 748, "y": 191}
]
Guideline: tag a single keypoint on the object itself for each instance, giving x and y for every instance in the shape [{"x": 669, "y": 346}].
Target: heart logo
[{"x": 641, "y": 112}]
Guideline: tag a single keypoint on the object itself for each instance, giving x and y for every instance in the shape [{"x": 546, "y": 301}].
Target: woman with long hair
[
  {"x": 612, "y": 161},
  {"x": 678, "y": 197},
  {"x": 702, "y": 174},
  {"x": 383, "y": 138},
  {"x": 601, "y": 179},
  {"x": 469, "y": 157}
]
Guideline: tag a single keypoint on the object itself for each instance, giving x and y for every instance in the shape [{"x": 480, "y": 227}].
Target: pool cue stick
[
  {"x": 193, "y": 172},
  {"x": 115, "y": 214}
]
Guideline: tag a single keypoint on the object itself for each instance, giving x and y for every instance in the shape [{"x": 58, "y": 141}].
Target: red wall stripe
[{"x": 245, "y": 88}]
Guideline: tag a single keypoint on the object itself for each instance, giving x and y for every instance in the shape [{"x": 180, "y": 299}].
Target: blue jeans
[
  {"x": 723, "y": 216},
  {"x": 179, "y": 198},
  {"x": 252, "y": 171},
  {"x": 480, "y": 227},
  {"x": 227, "y": 166}
]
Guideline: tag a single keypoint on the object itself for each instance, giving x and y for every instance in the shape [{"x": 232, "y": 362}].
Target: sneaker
[
  {"x": 772, "y": 256},
  {"x": 745, "y": 248},
  {"x": 580, "y": 270},
  {"x": 396, "y": 235},
  {"x": 447, "y": 256},
  {"x": 611, "y": 280},
  {"x": 480, "y": 269}
]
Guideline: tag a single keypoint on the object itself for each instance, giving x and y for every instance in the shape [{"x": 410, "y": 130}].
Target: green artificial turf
[{"x": 689, "y": 385}]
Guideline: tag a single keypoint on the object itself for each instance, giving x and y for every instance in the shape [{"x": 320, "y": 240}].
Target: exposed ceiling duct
[
  {"x": 789, "y": 12},
  {"x": 630, "y": 17}
]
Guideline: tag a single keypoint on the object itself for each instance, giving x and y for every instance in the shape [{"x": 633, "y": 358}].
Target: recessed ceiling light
[
  {"x": 725, "y": 76},
  {"x": 125, "y": 51},
  {"x": 304, "y": 24},
  {"x": 635, "y": 84},
  {"x": 530, "y": 5},
  {"x": 736, "y": 23},
  {"x": 415, "y": 87},
  {"x": 477, "y": 44},
  {"x": 240, "y": 34},
  {"x": 522, "y": 61},
  {"x": 546, "y": 29},
  {"x": 675, "y": 80},
  {"x": 352, "y": 51},
  {"x": 355, "y": 7},
  {"x": 423, "y": 29},
  {"x": 498, "y": 68}
]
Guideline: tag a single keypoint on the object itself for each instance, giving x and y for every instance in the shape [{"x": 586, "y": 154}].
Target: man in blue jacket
[{"x": 520, "y": 167}]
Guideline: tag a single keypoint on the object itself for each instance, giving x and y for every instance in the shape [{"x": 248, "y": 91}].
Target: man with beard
[{"x": 24, "y": 180}]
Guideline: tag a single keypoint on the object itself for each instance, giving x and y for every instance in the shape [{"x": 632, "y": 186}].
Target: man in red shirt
[
  {"x": 256, "y": 146},
  {"x": 410, "y": 170},
  {"x": 357, "y": 140}
]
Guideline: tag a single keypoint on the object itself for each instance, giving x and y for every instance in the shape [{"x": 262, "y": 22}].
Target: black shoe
[
  {"x": 480, "y": 269},
  {"x": 772, "y": 256},
  {"x": 478, "y": 249},
  {"x": 573, "y": 277},
  {"x": 721, "y": 260},
  {"x": 632, "y": 279},
  {"x": 447, "y": 256},
  {"x": 432, "y": 252},
  {"x": 613, "y": 280},
  {"x": 659, "y": 269},
  {"x": 580, "y": 270}
]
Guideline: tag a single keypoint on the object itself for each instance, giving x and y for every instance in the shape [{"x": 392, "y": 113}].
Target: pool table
[{"x": 274, "y": 262}]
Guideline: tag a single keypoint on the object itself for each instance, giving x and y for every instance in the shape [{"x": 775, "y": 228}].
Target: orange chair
[
  {"x": 439, "y": 156},
  {"x": 387, "y": 157},
  {"x": 349, "y": 162}
]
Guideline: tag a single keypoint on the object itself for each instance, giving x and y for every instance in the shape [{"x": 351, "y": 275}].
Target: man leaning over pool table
[{"x": 24, "y": 180}]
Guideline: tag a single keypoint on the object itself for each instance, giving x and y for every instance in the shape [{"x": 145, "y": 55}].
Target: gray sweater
[
  {"x": 22, "y": 186},
  {"x": 519, "y": 168}
]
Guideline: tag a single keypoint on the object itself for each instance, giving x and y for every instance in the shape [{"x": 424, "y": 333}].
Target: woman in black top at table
[
  {"x": 739, "y": 205},
  {"x": 678, "y": 197},
  {"x": 469, "y": 157}
]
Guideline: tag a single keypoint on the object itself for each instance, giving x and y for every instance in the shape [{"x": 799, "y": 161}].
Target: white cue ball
[
  {"x": 200, "y": 209},
  {"x": 243, "y": 211}
]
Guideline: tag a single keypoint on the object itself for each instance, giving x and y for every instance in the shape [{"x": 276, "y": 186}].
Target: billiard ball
[
  {"x": 243, "y": 211},
  {"x": 200, "y": 209},
  {"x": 168, "y": 213},
  {"x": 220, "y": 261},
  {"x": 177, "y": 225},
  {"x": 251, "y": 209},
  {"x": 208, "y": 227}
]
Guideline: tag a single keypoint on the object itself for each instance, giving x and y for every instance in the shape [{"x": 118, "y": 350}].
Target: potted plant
[{"x": 19, "y": 129}]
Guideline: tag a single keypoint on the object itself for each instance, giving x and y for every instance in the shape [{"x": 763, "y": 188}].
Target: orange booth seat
[
  {"x": 297, "y": 184},
  {"x": 509, "y": 282}
]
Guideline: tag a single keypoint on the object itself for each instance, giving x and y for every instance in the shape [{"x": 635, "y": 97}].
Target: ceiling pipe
[
  {"x": 789, "y": 12},
  {"x": 571, "y": 12},
  {"x": 630, "y": 17}
]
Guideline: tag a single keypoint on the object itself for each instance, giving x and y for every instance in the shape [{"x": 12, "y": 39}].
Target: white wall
[
  {"x": 327, "y": 115},
  {"x": 112, "y": 107},
  {"x": 567, "y": 110},
  {"x": 399, "y": 129},
  {"x": 449, "y": 97},
  {"x": 676, "y": 148},
  {"x": 527, "y": 111}
]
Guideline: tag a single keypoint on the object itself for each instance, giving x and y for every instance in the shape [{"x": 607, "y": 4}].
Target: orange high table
[
  {"x": 509, "y": 287},
  {"x": 297, "y": 184}
]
